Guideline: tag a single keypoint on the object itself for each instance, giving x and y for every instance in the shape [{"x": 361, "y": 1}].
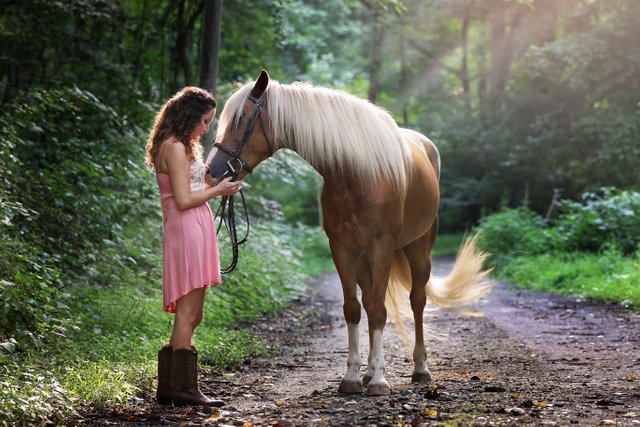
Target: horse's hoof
[
  {"x": 378, "y": 389},
  {"x": 421, "y": 377},
  {"x": 366, "y": 379},
  {"x": 350, "y": 387}
]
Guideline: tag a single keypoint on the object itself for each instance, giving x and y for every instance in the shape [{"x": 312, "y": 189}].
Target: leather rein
[{"x": 235, "y": 165}]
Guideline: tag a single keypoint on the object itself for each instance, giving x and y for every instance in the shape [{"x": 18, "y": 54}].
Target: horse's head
[{"x": 244, "y": 141}]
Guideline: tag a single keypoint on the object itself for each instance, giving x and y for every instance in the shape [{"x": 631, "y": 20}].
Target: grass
[
  {"x": 105, "y": 355},
  {"x": 608, "y": 276},
  {"x": 448, "y": 244}
]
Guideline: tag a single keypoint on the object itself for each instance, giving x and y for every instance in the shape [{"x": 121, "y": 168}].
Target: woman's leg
[
  {"x": 185, "y": 357},
  {"x": 188, "y": 315}
]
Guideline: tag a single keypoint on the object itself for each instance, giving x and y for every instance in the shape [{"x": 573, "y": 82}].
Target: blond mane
[{"x": 331, "y": 129}]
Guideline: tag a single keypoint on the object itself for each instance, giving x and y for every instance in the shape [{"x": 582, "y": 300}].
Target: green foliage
[
  {"x": 591, "y": 250},
  {"x": 605, "y": 218},
  {"x": 608, "y": 218},
  {"x": 33, "y": 302},
  {"x": 75, "y": 175},
  {"x": 512, "y": 233},
  {"x": 448, "y": 244},
  {"x": 608, "y": 276}
]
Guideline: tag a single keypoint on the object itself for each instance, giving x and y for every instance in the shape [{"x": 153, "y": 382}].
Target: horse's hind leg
[
  {"x": 345, "y": 264},
  {"x": 374, "y": 288},
  {"x": 419, "y": 255},
  {"x": 366, "y": 283}
]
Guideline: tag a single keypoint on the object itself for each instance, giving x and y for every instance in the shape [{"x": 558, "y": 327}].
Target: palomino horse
[{"x": 379, "y": 201}]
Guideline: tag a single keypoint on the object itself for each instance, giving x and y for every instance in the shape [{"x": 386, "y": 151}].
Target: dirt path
[{"x": 533, "y": 359}]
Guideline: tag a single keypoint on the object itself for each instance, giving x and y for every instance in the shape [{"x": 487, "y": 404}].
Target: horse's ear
[{"x": 261, "y": 84}]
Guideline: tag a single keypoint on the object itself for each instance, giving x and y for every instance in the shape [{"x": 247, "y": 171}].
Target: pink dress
[{"x": 189, "y": 245}]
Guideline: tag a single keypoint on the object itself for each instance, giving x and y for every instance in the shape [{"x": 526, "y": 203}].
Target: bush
[
  {"x": 604, "y": 218},
  {"x": 67, "y": 156},
  {"x": 512, "y": 233}
]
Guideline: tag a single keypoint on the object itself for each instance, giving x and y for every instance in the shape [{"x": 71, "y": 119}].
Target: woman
[{"x": 191, "y": 261}]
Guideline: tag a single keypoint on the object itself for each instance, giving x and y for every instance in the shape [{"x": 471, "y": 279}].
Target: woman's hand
[{"x": 226, "y": 187}]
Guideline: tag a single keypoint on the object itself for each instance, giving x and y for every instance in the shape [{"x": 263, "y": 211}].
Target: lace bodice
[{"x": 197, "y": 173}]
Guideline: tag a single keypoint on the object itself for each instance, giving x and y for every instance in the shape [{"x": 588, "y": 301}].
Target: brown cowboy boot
[
  {"x": 185, "y": 376},
  {"x": 165, "y": 376}
]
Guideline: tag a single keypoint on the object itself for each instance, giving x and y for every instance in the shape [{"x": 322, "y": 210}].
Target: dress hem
[{"x": 170, "y": 308}]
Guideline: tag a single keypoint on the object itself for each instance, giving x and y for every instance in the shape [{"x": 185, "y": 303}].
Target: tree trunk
[
  {"x": 211, "y": 28},
  {"x": 482, "y": 59},
  {"x": 178, "y": 48},
  {"x": 140, "y": 36},
  {"x": 503, "y": 43},
  {"x": 403, "y": 72},
  {"x": 376, "y": 55},
  {"x": 498, "y": 49},
  {"x": 464, "y": 72}
]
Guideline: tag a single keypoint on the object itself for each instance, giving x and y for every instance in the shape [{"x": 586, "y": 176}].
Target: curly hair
[{"x": 177, "y": 118}]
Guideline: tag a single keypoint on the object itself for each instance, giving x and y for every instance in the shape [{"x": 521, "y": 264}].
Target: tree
[{"x": 209, "y": 59}]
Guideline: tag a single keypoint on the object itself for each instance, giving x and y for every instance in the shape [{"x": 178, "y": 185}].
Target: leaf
[
  {"x": 8, "y": 346},
  {"x": 431, "y": 412},
  {"x": 214, "y": 417},
  {"x": 541, "y": 404}
]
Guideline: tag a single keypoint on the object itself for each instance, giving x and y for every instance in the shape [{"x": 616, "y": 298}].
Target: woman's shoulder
[{"x": 174, "y": 146}]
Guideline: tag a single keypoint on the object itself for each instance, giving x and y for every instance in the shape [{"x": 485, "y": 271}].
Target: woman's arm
[{"x": 178, "y": 166}]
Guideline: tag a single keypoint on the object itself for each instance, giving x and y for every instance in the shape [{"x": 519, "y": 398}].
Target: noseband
[{"x": 236, "y": 164}]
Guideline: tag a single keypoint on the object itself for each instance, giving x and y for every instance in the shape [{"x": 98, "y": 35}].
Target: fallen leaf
[
  {"x": 464, "y": 372},
  {"x": 608, "y": 422},
  {"x": 215, "y": 416},
  {"x": 540, "y": 404},
  {"x": 431, "y": 412},
  {"x": 630, "y": 377},
  {"x": 516, "y": 394}
]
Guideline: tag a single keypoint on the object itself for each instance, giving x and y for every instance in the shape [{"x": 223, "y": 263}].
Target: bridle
[
  {"x": 254, "y": 116},
  {"x": 235, "y": 165}
]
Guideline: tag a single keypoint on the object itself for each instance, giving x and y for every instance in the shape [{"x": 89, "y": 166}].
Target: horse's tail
[{"x": 466, "y": 282}]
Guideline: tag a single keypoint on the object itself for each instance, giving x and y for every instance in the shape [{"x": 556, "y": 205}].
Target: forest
[{"x": 534, "y": 106}]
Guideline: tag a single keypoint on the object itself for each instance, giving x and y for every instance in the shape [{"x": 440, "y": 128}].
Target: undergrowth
[
  {"x": 591, "y": 249},
  {"x": 104, "y": 352},
  {"x": 608, "y": 276}
]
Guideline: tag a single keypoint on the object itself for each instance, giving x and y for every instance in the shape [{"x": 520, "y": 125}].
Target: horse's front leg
[
  {"x": 374, "y": 288},
  {"x": 345, "y": 265}
]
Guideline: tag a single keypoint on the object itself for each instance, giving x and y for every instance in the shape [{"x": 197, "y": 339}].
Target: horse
[{"x": 379, "y": 202}]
